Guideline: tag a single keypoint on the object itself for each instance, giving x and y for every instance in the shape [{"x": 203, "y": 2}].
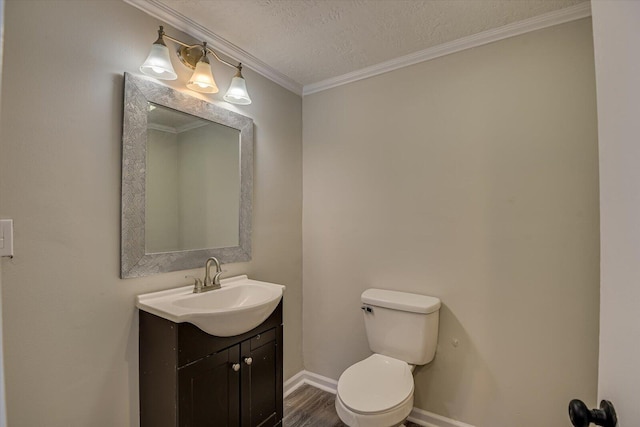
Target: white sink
[{"x": 238, "y": 306}]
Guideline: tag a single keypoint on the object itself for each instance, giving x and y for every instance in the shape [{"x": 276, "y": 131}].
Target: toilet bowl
[
  {"x": 402, "y": 331},
  {"x": 375, "y": 392}
]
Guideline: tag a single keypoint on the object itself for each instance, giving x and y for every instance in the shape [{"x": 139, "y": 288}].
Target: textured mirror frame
[{"x": 135, "y": 262}]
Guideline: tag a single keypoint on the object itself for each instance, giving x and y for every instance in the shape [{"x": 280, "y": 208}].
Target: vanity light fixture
[{"x": 158, "y": 65}]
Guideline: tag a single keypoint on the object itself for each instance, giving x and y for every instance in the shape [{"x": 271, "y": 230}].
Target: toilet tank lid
[{"x": 404, "y": 301}]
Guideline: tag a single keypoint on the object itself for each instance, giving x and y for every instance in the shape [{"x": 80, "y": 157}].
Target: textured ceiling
[{"x": 313, "y": 40}]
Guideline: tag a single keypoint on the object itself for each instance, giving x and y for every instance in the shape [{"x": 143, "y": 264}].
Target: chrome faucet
[{"x": 210, "y": 282}]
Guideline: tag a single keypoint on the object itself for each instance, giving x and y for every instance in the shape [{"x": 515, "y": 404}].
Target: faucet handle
[
  {"x": 197, "y": 283},
  {"x": 216, "y": 278}
]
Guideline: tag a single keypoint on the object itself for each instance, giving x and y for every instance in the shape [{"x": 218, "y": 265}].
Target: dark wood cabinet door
[
  {"x": 187, "y": 377},
  {"x": 209, "y": 391},
  {"x": 260, "y": 376}
]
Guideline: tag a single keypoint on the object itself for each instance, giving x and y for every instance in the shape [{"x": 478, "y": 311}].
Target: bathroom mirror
[{"x": 187, "y": 172}]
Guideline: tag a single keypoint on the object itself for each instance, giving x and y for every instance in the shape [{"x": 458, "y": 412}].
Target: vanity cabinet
[{"x": 191, "y": 379}]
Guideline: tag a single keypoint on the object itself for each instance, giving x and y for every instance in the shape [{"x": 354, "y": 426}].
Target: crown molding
[
  {"x": 162, "y": 128},
  {"x": 180, "y": 22},
  {"x": 579, "y": 11}
]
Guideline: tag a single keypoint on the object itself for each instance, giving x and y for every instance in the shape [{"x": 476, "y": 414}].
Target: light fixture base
[{"x": 190, "y": 55}]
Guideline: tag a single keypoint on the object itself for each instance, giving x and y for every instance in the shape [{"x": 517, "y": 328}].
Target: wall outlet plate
[{"x": 6, "y": 238}]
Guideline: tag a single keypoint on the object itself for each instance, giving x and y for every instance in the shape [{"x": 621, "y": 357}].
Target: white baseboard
[
  {"x": 418, "y": 416},
  {"x": 315, "y": 380},
  {"x": 429, "y": 419}
]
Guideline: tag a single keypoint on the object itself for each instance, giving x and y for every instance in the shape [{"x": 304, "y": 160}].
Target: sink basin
[{"x": 238, "y": 306}]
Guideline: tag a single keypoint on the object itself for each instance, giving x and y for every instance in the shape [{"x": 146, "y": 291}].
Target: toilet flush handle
[{"x": 367, "y": 309}]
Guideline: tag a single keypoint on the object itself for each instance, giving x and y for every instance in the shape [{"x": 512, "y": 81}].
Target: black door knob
[{"x": 581, "y": 416}]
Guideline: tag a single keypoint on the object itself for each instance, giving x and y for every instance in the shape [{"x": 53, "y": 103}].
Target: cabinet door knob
[
  {"x": 235, "y": 367},
  {"x": 248, "y": 360}
]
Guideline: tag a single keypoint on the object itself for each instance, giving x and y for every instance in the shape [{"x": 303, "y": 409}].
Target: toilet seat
[{"x": 375, "y": 385}]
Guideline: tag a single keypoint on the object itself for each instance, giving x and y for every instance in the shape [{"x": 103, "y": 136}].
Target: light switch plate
[{"x": 6, "y": 237}]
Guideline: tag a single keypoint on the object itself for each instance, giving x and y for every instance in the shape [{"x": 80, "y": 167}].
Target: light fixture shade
[
  {"x": 237, "y": 93},
  {"x": 202, "y": 78},
  {"x": 158, "y": 63}
]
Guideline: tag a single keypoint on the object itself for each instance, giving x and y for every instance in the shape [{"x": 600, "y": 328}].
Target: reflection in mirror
[
  {"x": 192, "y": 182},
  {"x": 187, "y": 181}
]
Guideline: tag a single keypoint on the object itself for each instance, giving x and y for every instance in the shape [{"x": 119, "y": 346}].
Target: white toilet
[{"x": 402, "y": 330}]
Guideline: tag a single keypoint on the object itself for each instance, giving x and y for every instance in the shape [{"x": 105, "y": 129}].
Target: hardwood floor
[{"x": 311, "y": 407}]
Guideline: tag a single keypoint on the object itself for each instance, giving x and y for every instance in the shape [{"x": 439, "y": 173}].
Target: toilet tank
[{"x": 401, "y": 325}]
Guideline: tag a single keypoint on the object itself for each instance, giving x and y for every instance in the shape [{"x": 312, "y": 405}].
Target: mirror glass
[
  {"x": 187, "y": 181},
  {"x": 192, "y": 182}
]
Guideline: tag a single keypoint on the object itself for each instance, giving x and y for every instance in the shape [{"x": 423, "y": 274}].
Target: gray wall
[
  {"x": 70, "y": 326},
  {"x": 473, "y": 178}
]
